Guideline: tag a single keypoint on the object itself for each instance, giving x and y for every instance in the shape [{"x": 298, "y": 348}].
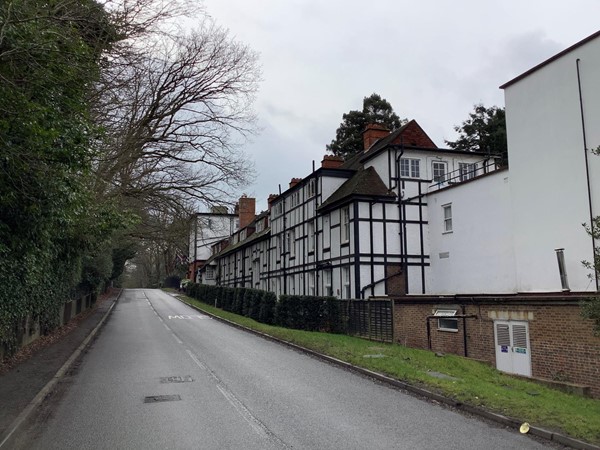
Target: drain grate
[
  {"x": 186, "y": 379},
  {"x": 161, "y": 398}
]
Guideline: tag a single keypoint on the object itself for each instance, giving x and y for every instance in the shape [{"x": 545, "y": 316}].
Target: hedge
[{"x": 301, "y": 312}]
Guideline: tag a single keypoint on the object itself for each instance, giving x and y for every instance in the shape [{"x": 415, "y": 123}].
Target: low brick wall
[{"x": 562, "y": 344}]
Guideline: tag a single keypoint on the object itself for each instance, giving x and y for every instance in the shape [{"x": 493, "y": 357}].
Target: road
[{"x": 161, "y": 375}]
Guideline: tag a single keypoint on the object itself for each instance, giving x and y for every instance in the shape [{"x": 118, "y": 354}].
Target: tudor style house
[
  {"x": 479, "y": 260},
  {"x": 352, "y": 229}
]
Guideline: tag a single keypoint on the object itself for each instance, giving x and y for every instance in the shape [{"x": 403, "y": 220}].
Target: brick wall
[{"x": 563, "y": 346}]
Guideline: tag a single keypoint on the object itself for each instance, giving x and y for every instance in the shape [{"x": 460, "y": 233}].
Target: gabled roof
[
  {"x": 249, "y": 240},
  {"x": 551, "y": 59},
  {"x": 365, "y": 183}
]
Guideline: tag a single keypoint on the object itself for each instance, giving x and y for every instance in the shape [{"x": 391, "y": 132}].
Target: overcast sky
[{"x": 432, "y": 60}]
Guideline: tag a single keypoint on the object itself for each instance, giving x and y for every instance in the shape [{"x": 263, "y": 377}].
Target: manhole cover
[
  {"x": 161, "y": 398},
  {"x": 186, "y": 379}
]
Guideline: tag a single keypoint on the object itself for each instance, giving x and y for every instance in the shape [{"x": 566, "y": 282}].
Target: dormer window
[
  {"x": 310, "y": 188},
  {"x": 439, "y": 171},
  {"x": 278, "y": 209},
  {"x": 410, "y": 168},
  {"x": 466, "y": 171}
]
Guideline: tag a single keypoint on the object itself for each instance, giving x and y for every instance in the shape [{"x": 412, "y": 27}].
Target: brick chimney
[
  {"x": 331, "y": 162},
  {"x": 294, "y": 182},
  {"x": 270, "y": 200},
  {"x": 372, "y": 133},
  {"x": 247, "y": 210}
]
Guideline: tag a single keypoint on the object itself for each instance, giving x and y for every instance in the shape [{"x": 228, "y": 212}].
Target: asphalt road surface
[{"x": 161, "y": 375}]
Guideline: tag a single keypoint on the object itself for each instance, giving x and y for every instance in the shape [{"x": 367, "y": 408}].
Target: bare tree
[{"x": 174, "y": 111}]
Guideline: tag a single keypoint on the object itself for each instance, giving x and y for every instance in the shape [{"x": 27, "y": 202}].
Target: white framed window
[
  {"x": 295, "y": 199},
  {"x": 210, "y": 273},
  {"x": 291, "y": 243},
  {"x": 326, "y": 231},
  {"x": 439, "y": 171},
  {"x": 327, "y": 283},
  {"x": 311, "y": 236},
  {"x": 410, "y": 168},
  {"x": 346, "y": 282},
  {"x": 311, "y": 283},
  {"x": 466, "y": 171},
  {"x": 279, "y": 245},
  {"x": 345, "y": 224},
  {"x": 447, "y": 209},
  {"x": 310, "y": 188},
  {"x": 278, "y": 208},
  {"x": 446, "y": 321}
]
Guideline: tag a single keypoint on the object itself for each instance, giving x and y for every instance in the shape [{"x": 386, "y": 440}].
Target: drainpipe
[
  {"x": 464, "y": 320},
  {"x": 402, "y": 232},
  {"x": 587, "y": 172}
]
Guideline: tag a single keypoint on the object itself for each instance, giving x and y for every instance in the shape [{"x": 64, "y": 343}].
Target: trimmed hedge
[{"x": 301, "y": 312}]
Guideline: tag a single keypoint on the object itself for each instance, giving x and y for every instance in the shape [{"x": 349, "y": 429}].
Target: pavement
[{"x": 24, "y": 386}]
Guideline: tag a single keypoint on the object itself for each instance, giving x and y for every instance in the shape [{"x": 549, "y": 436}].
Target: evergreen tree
[
  {"x": 484, "y": 131},
  {"x": 348, "y": 137}
]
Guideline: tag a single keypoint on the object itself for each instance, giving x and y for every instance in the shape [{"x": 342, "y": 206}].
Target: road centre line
[{"x": 258, "y": 427}]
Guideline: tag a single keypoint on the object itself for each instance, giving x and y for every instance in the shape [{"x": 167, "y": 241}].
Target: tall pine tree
[{"x": 348, "y": 137}]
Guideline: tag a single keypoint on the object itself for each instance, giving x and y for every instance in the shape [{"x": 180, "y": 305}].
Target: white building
[
  {"x": 212, "y": 227},
  {"x": 351, "y": 229},
  {"x": 507, "y": 228},
  {"x": 406, "y": 217}
]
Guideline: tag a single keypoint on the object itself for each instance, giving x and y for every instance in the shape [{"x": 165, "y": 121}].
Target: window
[
  {"x": 345, "y": 224},
  {"x": 446, "y": 322},
  {"x": 439, "y": 171},
  {"x": 410, "y": 168},
  {"x": 346, "y": 281},
  {"x": 311, "y": 283},
  {"x": 328, "y": 288},
  {"x": 466, "y": 171},
  {"x": 295, "y": 199},
  {"x": 311, "y": 236},
  {"x": 310, "y": 188},
  {"x": 326, "y": 231},
  {"x": 210, "y": 273},
  {"x": 278, "y": 209},
  {"x": 447, "y": 218},
  {"x": 292, "y": 243}
]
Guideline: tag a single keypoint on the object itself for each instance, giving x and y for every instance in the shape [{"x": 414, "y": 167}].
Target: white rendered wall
[
  {"x": 547, "y": 166},
  {"x": 477, "y": 256}
]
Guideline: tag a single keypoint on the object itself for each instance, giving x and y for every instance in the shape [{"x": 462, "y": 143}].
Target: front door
[{"x": 513, "y": 352}]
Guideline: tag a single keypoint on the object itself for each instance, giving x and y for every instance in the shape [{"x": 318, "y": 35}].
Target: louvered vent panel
[
  {"x": 520, "y": 336},
  {"x": 503, "y": 334}
]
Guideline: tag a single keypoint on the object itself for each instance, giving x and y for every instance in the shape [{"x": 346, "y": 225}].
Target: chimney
[
  {"x": 270, "y": 199},
  {"x": 372, "y": 133},
  {"x": 247, "y": 209},
  {"x": 294, "y": 182},
  {"x": 331, "y": 162}
]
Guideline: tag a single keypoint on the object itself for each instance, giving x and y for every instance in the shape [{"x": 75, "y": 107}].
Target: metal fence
[{"x": 370, "y": 319}]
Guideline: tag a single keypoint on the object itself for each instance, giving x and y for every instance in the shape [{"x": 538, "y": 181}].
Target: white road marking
[
  {"x": 256, "y": 424},
  {"x": 188, "y": 316}
]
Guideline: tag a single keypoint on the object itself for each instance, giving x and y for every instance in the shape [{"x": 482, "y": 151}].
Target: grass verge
[{"x": 469, "y": 382}]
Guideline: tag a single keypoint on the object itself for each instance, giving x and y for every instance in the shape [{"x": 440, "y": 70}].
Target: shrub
[{"x": 266, "y": 313}]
